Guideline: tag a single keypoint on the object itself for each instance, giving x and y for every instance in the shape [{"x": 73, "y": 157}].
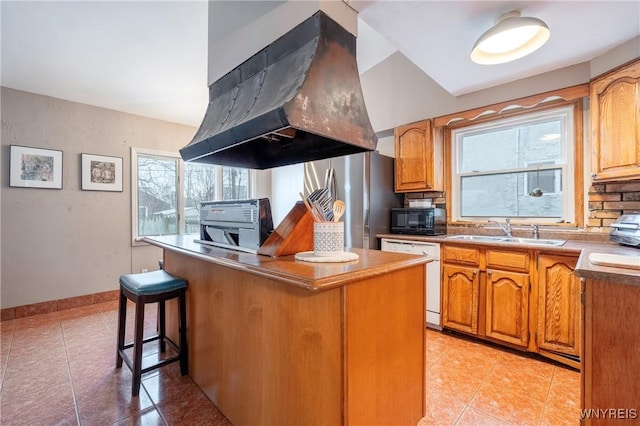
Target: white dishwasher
[{"x": 432, "y": 251}]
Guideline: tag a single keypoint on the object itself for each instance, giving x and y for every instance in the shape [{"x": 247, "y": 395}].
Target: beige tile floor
[{"x": 58, "y": 369}]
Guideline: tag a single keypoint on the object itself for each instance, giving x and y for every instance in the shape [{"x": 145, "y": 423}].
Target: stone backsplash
[
  {"x": 437, "y": 198},
  {"x": 608, "y": 201}
]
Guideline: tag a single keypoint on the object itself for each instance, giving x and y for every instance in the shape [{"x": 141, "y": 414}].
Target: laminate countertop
[
  {"x": 584, "y": 268},
  {"x": 286, "y": 269}
]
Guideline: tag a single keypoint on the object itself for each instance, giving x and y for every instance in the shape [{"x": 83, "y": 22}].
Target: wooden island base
[{"x": 270, "y": 353}]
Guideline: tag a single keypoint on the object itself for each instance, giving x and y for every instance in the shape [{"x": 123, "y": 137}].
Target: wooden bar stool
[{"x": 151, "y": 287}]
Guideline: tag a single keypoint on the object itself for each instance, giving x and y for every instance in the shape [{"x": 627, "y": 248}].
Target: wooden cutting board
[{"x": 616, "y": 260}]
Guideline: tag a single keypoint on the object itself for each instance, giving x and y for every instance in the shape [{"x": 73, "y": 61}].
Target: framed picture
[
  {"x": 101, "y": 173},
  {"x": 35, "y": 167}
]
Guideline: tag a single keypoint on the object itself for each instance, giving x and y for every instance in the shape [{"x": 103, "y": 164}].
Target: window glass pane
[
  {"x": 503, "y": 195},
  {"x": 488, "y": 151},
  {"x": 511, "y": 147},
  {"x": 157, "y": 196},
  {"x": 200, "y": 184},
  {"x": 503, "y": 165},
  {"x": 235, "y": 183}
]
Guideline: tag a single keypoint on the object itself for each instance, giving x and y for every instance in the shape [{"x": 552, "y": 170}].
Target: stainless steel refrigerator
[{"x": 365, "y": 183}]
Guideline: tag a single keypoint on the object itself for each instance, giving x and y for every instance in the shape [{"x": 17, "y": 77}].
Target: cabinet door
[
  {"x": 414, "y": 159},
  {"x": 615, "y": 123},
  {"x": 507, "y": 307},
  {"x": 558, "y": 305},
  {"x": 460, "y": 298}
]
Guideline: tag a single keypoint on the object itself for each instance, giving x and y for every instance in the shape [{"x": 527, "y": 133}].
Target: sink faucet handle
[
  {"x": 508, "y": 227},
  {"x": 536, "y": 233}
]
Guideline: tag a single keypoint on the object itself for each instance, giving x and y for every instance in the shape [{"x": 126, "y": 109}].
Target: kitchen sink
[
  {"x": 514, "y": 240},
  {"x": 482, "y": 238},
  {"x": 534, "y": 241}
]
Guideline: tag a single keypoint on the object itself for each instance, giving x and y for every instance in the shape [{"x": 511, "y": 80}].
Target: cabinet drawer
[
  {"x": 456, "y": 254},
  {"x": 509, "y": 260}
]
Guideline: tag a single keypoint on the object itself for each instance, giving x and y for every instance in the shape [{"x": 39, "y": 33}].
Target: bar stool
[{"x": 151, "y": 287}]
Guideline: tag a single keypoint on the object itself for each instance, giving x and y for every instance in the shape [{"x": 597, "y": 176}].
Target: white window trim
[
  {"x": 135, "y": 152},
  {"x": 568, "y": 213}
]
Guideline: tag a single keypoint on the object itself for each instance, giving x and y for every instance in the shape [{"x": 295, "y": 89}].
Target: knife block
[{"x": 293, "y": 235}]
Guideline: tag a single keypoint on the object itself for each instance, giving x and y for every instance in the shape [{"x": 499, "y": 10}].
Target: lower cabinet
[
  {"x": 558, "y": 306},
  {"x": 507, "y": 309},
  {"x": 460, "y": 298},
  {"x": 508, "y": 295},
  {"x": 486, "y": 293}
]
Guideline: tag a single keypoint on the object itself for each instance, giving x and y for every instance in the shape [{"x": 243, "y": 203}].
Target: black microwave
[{"x": 419, "y": 221}]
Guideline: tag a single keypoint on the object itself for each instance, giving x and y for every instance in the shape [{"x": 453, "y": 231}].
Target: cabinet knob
[
  {"x": 489, "y": 273},
  {"x": 594, "y": 175}
]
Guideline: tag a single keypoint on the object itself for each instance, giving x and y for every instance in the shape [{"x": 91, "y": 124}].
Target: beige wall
[
  {"x": 393, "y": 101},
  {"x": 63, "y": 243},
  {"x": 397, "y": 92}
]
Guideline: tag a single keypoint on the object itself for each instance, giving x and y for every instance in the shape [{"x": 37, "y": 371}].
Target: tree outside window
[{"x": 169, "y": 191}]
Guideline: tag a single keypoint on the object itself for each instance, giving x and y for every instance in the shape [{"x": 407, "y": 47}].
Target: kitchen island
[
  {"x": 280, "y": 341},
  {"x": 610, "y": 386}
]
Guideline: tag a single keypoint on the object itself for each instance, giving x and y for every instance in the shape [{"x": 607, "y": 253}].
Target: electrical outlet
[{"x": 144, "y": 270}]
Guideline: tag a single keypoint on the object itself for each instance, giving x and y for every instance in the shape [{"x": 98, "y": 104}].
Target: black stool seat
[{"x": 151, "y": 287}]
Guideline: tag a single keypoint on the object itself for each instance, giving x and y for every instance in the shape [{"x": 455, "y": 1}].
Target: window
[
  {"x": 167, "y": 192},
  {"x": 518, "y": 167}
]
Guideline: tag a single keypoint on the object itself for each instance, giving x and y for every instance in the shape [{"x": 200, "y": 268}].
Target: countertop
[
  {"x": 285, "y": 269},
  {"x": 584, "y": 268}
]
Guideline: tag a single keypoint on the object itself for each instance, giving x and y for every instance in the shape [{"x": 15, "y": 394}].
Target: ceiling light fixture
[{"x": 512, "y": 37}]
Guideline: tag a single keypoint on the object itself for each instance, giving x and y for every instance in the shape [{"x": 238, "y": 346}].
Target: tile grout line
[
  {"x": 6, "y": 361},
  {"x": 73, "y": 391},
  {"x": 484, "y": 380},
  {"x": 546, "y": 400}
]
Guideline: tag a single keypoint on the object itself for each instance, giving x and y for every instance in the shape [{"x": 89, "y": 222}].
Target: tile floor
[
  {"x": 472, "y": 383},
  {"x": 58, "y": 369}
]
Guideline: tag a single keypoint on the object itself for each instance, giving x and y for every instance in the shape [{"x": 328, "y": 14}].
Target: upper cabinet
[
  {"x": 615, "y": 124},
  {"x": 418, "y": 158}
]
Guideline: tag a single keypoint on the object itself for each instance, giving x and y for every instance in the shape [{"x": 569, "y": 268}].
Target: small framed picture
[
  {"x": 101, "y": 173},
  {"x": 35, "y": 167}
]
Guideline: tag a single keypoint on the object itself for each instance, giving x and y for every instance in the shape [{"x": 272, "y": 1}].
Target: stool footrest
[
  {"x": 153, "y": 338},
  {"x": 159, "y": 364}
]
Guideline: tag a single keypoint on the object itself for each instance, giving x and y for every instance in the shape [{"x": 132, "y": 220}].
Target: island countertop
[{"x": 285, "y": 269}]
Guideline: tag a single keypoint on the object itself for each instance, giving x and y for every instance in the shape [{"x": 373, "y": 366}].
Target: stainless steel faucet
[
  {"x": 506, "y": 228},
  {"x": 536, "y": 234}
]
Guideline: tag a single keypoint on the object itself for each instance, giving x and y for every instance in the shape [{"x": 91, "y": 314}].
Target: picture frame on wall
[
  {"x": 101, "y": 173},
  {"x": 35, "y": 167}
]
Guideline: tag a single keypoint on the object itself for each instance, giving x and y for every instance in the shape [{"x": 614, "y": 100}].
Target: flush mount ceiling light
[{"x": 511, "y": 37}]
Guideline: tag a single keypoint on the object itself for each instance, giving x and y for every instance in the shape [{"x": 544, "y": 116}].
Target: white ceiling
[{"x": 150, "y": 58}]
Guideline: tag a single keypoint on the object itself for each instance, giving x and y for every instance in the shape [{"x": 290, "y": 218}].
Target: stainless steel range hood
[{"x": 298, "y": 99}]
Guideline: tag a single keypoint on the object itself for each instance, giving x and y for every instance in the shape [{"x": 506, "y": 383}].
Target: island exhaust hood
[{"x": 298, "y": 99}]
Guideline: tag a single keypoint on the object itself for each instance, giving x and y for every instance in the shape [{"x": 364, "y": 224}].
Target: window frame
[
  {"x": 173, "y": 156},
  {"x": 574, "y": 172}
]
